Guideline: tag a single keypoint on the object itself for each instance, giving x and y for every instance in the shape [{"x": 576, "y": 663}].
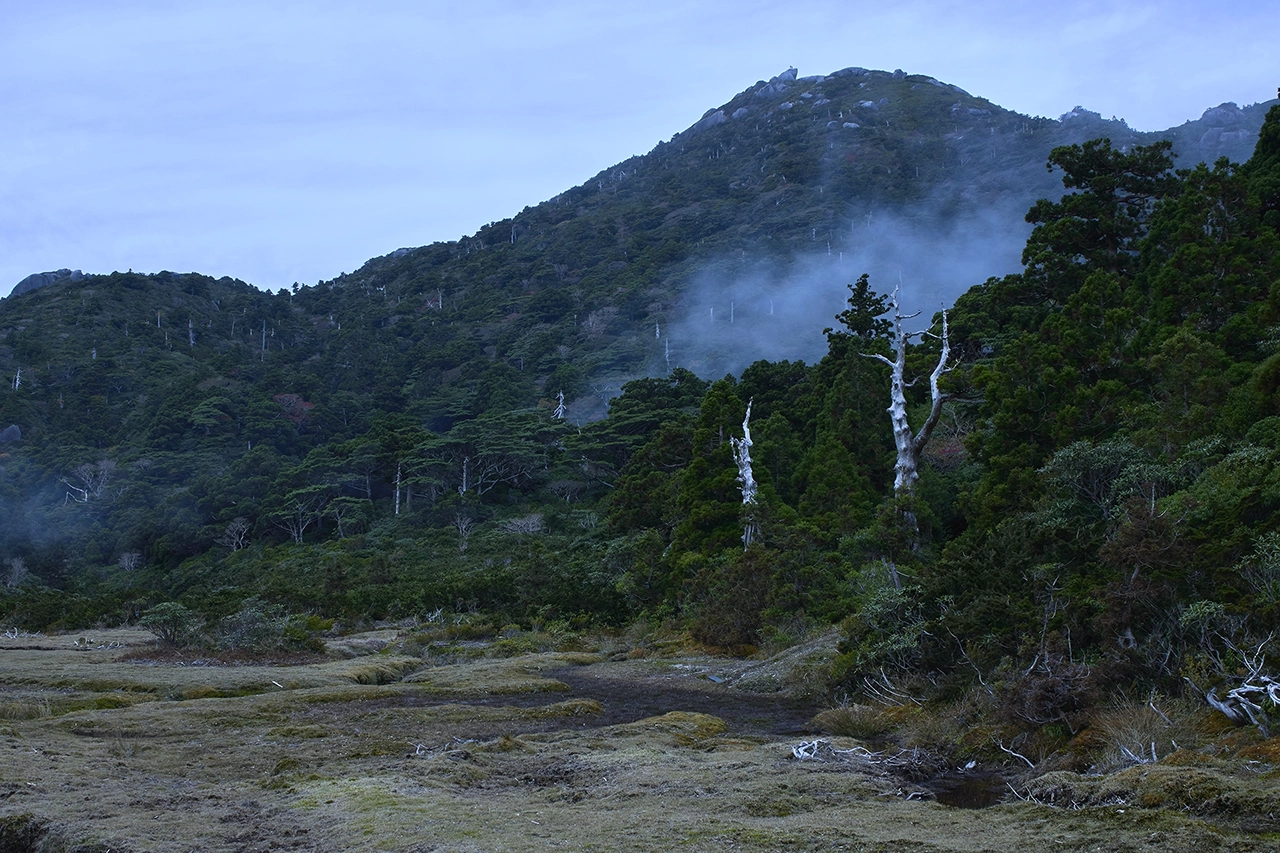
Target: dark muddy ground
[
  {"x": 629, "y": 698},
  {"x": 628, "y": 695}
]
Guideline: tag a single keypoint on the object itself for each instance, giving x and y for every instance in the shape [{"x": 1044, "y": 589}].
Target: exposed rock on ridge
[{"x": 40, "y": 279}]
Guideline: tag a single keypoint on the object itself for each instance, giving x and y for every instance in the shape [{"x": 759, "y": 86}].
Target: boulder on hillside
[
  {"x": 710, "y": 120},
  {"x": 40, "y": 279},
  {"x": 10, "y": 433}
]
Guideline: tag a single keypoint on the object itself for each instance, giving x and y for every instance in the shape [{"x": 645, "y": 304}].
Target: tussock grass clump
[
  {"x": 20, "y": 833},
  {"x": 1129, "y": 735},
  {"x": 110, "y": 701},
  {"x": 25, "y": 709},
  {"x": 381, "y": 671},
  {"x": 121, "y": 748},
  {"x": 568, "y": 708},
  {"x": 863, "y": 722},
  {"x": 685, "y": 728},
  {"x": 555, "y": 636}
]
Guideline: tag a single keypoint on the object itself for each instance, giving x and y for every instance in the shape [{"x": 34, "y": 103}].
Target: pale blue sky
[{"x": 288, "y": 141}]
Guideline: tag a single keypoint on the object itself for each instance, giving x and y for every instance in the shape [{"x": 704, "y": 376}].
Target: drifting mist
[{"x": 737, "y": 311}]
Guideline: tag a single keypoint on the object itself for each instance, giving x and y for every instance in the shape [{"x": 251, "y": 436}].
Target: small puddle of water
[
  {"x": 630, "y": 698},
  {"x": 970, "y": 792}
]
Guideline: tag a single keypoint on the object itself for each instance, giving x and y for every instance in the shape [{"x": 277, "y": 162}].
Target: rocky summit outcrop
[
  {"x": 1224, "y": 115},
  {"x": 40, "y": 279},
  {"x": 1226, "y": 125}
]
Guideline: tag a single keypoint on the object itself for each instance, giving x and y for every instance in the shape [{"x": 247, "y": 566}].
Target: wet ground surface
[
  {"x": 969, "y": 792},
  {"x": 628, "y": 698}
]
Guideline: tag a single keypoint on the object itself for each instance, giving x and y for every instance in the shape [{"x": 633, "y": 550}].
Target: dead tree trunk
[
  {"x": 906, "y": 471},
  {"x": 746, "y": 480},
  {"x": 399, "y": 465}
]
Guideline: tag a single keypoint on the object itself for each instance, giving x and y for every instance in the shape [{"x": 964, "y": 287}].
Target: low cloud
[{"x": 738, "y": 311}]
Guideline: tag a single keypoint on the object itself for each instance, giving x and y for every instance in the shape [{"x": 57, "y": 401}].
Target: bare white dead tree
[
  {"x": 130, "y": 560},
  {"x": 236, "y": 534},
  {"x": 464, "y": 522},
  {"x": 399, "y": 466},
  {"x": 906, "y": 471},
  {"x": 1244, "y": 704},
  {"x": 567, "y": 490},
  {"x": 17, "y": 572},
  {"x": 746, "y": 480},
  {"x": 559, "y": 413},
  {"x": 526, "y": 525},
  {"x": 93, "y": 477}
]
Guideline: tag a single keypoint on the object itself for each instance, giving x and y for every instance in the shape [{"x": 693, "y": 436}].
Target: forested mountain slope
[{"x": 1097, "y": 500}]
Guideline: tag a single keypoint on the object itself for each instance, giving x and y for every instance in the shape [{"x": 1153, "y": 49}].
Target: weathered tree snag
[
  {"x": 746, "y": 480},
  {"x": 237, "y": 533},
  {"x": 906, "y": 471}
]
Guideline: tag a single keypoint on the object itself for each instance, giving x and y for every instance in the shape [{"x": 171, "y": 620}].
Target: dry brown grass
[
  {"x": 1139, "y": 734},
  {"x": 863, "y": 722}
]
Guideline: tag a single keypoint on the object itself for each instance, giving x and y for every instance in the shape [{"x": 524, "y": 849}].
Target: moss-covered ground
[{"x": 104, "y": 748}]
